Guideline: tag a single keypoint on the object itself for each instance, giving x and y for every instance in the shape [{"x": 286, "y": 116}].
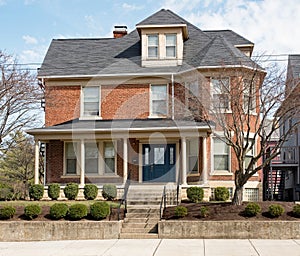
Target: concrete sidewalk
[{"x": 157, "y": 247}]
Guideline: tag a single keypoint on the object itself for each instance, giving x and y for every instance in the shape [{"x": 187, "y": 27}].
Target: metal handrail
[
  {"x": 163, "y": 203},
  {"x": 124, "y": 197}
]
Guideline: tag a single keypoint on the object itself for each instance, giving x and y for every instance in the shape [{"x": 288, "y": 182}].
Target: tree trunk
[{"x": 238, "y": 196}]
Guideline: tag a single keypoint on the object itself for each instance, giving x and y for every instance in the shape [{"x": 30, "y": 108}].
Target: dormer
[{"x": 162, "y": 37}]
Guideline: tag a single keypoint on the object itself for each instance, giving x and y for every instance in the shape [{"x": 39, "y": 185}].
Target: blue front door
[{"x": 159, "y": 162}]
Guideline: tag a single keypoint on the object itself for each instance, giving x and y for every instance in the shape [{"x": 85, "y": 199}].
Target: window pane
[
  {"x": 193, "y": 147},
  {"x": 91, "y": 158},
  {"x": 159, "y": 155},
  {"x": 159, "y": 99},
  {"x": 220, "y": 147},
  {"x": 193, "y": 164},
  {"x": 146, "y": 157},
  {"x": 109, "y": 151},
  {"x": 159, "y": 92},
  {"x": 91, "y": 101},
  {"x": 152, "y": 40},
  {"x": 71, "y": 160},
  {"x": 171, "y": 40},
  {"x": 221, "y": 162},
  {"x": 71, "y": 166},
  {"x": 110, "y": 165},
  {"x": 171, "y": 155},
  {"x": 159, "y": 107},
  {"x": 171, "y": 51},
  {"x": 152, "y": 52},
  {"x": 109, "y": 157}
]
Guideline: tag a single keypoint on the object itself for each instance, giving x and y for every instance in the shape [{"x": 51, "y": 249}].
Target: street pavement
[{"x": 153, "y": 247}]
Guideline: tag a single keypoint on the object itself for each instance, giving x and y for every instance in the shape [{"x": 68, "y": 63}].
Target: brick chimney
[{"x": 120, "y": 31}]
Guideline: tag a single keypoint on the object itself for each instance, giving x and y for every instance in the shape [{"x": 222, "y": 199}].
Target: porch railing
[
  {"x": 124, "y": 197},
  {"x": 287, "y": 155},
  {"x": 163, "y": 203}
]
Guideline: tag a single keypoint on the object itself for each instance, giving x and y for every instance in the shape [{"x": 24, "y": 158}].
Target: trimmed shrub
[
  {"x": 204, "y": 212},
  {"x": 78, "y": 211},
  {"x": 195, "y": 194},
  {"x": 90, "y": 191},
  {"x": 71, "y": 191},
  {"x": 59, "y": 211},
  {"x": 99, "y": 210},
  {"x": 109, "y": 191},
  {"x": 296, "y": 210},
  {"x": 54, "y": 191},
  {"x": 275, "y": 210},
  {"x": 32, "y": 211},
  {"x": 7, "y": 212},
  {"x": 36, "y": 192},
  {"x": 181, "y": 211},
  {"x": 221, "y": 194},
  {"x": 252, "y": 209},
  {"x": 6, "y": 192}
]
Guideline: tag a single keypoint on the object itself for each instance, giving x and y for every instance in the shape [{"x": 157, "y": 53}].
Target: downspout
[{"x": 173, "y": 100}]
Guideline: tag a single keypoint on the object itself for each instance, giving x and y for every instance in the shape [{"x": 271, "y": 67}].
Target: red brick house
[{"x": 134, "y": 103}]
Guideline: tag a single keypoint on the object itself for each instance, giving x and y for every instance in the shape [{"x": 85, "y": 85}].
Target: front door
[{"x": 159, "y": 162}]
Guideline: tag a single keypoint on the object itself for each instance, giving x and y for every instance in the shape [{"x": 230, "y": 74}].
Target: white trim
[
  {"x": 183, "y": 160},
  {"x": 36, "y": 162},
  {"x": 77, "y": 155}
]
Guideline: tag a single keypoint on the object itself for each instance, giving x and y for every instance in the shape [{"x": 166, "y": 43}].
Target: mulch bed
[{"x": 227, "y": 211}]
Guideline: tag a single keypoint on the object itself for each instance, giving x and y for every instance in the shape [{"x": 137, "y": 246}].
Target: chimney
[{"x": 120, "y": 31}]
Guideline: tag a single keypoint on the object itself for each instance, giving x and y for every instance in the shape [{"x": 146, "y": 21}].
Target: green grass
[{"x": 50, "y": 203}]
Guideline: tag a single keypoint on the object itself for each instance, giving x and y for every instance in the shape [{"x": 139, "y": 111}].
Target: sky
[{"x": 28, "y": 26}]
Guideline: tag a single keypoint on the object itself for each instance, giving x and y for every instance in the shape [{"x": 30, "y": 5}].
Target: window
[
  {"x": 249, "y": 96},
  {"x": 91, "y": 101},
  {"x": 91, "y": 158},
  {"x": 159, "y": 100},
  {"x": 70, "y": 156},
  {"x": 152, "y": 46},
  {"x": 220, "y": 93},
  {"x": 250, "y": 153},
  {"x": 193, "y": 155},
  {"x": 221, "y": 155},
  {"x": 251, "y": 194},
  {"x": 109, "y": 157},
  {"x": 171, "y": 45}
]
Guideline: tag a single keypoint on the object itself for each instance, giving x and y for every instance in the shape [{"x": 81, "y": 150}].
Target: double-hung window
[
  {"x": 152, "y": 46},
  {"x": 250, "y": 152},
  {"x": 171, "y": 45},
  {"x": 91, "y": 158},
  {"x": 193, "y": 155},
  {"x": 91, "y": 101},
  {"x": 159, "y": 100},
  {"x": 70, "y": 158},
  {"x": 221, "y": 93},
  {"x": 109, "y": 158},
  {"x": 221, "y": 155},
  {"x": 249, "y": 96}
]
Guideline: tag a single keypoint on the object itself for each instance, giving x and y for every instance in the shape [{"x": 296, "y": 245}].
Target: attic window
[
  {"x": 152, "y": 46},
  {"x": 171, "y": 45}
]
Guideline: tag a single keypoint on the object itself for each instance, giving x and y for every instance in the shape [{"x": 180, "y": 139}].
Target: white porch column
[
  {"x": 125, "y": 159},
  {"x": 82, "y": 163},
  {"x": 36, "y": 162},
  {"x": 204, "y": 159},
  {"x": 183, "y": 158}
]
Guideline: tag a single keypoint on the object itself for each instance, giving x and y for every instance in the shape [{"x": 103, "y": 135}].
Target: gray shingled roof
[
  {"x": 230, "y": 36},
  {"x": 294, "y": 65},
  {"x": 90, "y": 57}
]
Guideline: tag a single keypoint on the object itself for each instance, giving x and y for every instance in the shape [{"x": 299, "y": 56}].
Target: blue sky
[{"x": 28, "y": 26}]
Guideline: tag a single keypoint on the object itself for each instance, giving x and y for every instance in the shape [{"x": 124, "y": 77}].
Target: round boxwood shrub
[
  {"x": 275, "y": 210},
  {"x": 109, "y": 192},
  {"x": 90, "y": 191},
  {"x": 221, "y": 194},
  {"x": 59, "y": 211},
  {"x": 7, "y": 212},
  {"x": 36, "y": 192},
  {"x": 204, "y": 212},
  {"x": 252, "y": 209},
  {"x": 195, "y": 194},
  {"x": 78, "y": 211},
  {"x": 54, "y": 191},
  {"x": 71, "y": 191},
  {"x": 99, "y": 210},
  {"x": 32, "y": 211},
  {"x": 296, "y": 210},
  {"x": 181, "y": 211}
]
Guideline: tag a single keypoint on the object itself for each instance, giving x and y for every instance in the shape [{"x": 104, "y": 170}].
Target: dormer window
[
  {"x": 171, "y": 40},
  {"x": 152, "y": 46}
]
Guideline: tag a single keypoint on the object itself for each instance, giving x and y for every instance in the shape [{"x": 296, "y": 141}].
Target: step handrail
[
  {"x": 124, "y": 197},
  {"x": 163, "y": 203}
]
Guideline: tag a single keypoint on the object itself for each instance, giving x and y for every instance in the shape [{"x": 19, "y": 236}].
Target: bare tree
[
  {"x": 19, "y": 97},
  {"x": 243, "y": 102}
]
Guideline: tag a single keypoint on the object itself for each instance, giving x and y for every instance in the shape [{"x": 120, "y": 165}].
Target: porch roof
[{"x": 78, "y": 126}]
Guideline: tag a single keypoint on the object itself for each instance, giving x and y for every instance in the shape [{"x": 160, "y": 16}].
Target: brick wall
[{"x": 54, "y": 161}]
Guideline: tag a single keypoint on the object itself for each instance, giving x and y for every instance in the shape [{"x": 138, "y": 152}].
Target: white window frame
[
  {"x": 152, "y": 115},
  {"x": 89, "y": 117},
  {"x": 175, "y": 46},
  {"x": 213, "y": 170},
  {"x": 76, "y": 151},
  {"x": 102, "y": 158},
  {"x": 154, "y": 46},
  {"x": 226, "y": 94},
  {"x": 189, "y": 155},
  {"x": 98, "y": 163}
]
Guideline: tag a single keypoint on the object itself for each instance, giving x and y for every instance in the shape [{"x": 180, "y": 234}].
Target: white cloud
[
  {"x": 131, "y": 7},
  {"x": 181, "y": 5},
  {"x": 93, "y": 25},
  {"x": 33, "y": 55},
  {"x": 29, "y": 39}
]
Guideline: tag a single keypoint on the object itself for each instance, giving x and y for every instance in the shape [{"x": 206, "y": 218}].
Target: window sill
[
  {"x": 193, "y": 174},
  {"x": 156, "y": 117},
  {"x": 90, "y": 118},
  {"x": 68, "y": 176},
  {"x": 221, "y": 173}
]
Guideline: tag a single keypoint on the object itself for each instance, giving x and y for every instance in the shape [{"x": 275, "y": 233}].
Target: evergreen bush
[
  {"x": 195, "y": 194},
  {"x": 109, "y": 192},
  {"x": 36, "y": 192},
  {"x": 204, "y": 212},
  {"x": 78, "y": 211},
  {"x": 296, "y": 210},
  {"x": 54, "y": 191},
  {"x": 221, "y": 194},
  {"x": 275, "y": 210},
  {"x": 7, "y": 212},
  {"x": 71, "y": 191},
  {"x": 99, "y": 210},
  {"x": 181, "y": 211},
  {"x": 90, "y": 191},
  {"x": 59, "y": 211},
  {"x": 252, "y": 209},
  {"x": 32, "y": 211}
]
